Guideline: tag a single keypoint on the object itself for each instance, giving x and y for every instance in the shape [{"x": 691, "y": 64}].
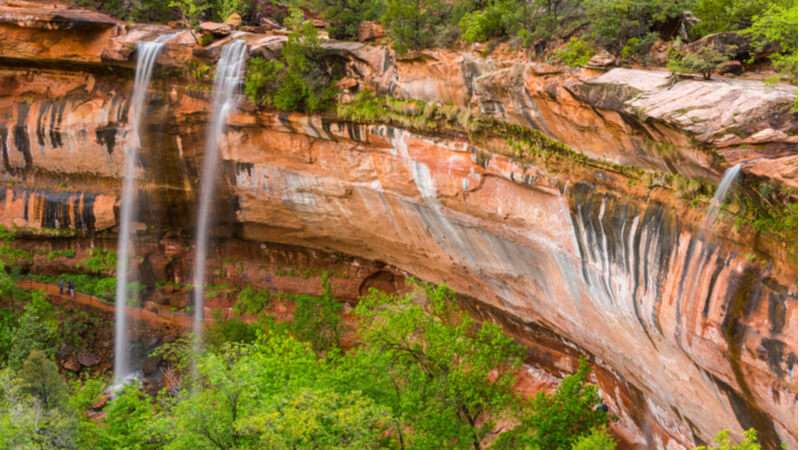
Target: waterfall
[
  {"x": 226, "y": 80},
  {"x": 146, "y": 54},
  {"x": 719, "y": 196}
]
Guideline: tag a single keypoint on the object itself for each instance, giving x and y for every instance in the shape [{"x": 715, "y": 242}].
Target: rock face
[
  {"x": 689, "y": 332},
  {"x": 627, "y": 116}
]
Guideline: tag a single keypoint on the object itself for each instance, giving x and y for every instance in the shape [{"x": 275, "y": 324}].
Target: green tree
[
  {"x": 412, "y": 24},
  {"x": 317, "y": 318},
  {"x": 191, "y": 10},
  {"x": 8, "y": 329},
  {"x": 435, "y": 365},
  {"x": 523, "y": 20},
  {"x": 613, "y": 22},
  {"x": 223, "y": 331},
  {"x": 39, "y": 378},
  {"x": 251, "y": 301},
  {"x": 264, "y": 77},
  {"x": 724, "y": 15},
  {"x": 301, "y": 81},
  {"x": 34, "y": 412},
  {"x": 38, "y": 330},
  {"x": 146, "y": 10},
  {"x": 226, "y": 8},
  {"x": 344, "y": 16},
  {"x": 723, "y": 441},
  {"x": 778, "y": 24},
  {"x": 319, "y": 419},
  {"x": 490, "y": 22},
  {"x": 598, "y": 439},
  {"x": 7, "y": 284},
  {"x": 233, "y": 385},
  {"x": 576, "y": 53},
  {"x": 132, "y": 422},
  {"x": 556, "y": 421}
]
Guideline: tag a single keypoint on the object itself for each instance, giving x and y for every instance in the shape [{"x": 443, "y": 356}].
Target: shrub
[
  {"x": 412, "y": 24},
  {"x": 6, "y": 234},
  {"x": 300, "y": 81},
  {"x": 8, "y": 328},
  {"x": 100, "y": 260},
  {"x": 39, "y": 378},
  {"x": 148, "y": 10},
  {"x": 316, "y": 319},
  {"x": 102, "y": 287},
  {"x": 191, "y": 10},
  {"x": 67, "y": 253},
  {"x": 703, "y": 62},
  {"x": 576, "y": 53},
  {"x": 226, "y": 8},
  {"x": 613, "y": 22},
  {"x": 251, "y": 301},
  {"x": 638, "y": 47},
  {"x": 724, "y": 15},
  {"x": 37, "y": 330},
  {"x": 724, "y": 442},
  {"x": 344, "y": 16},
  {"x": 556, "y": 421},
  {"x": 479, "y": 26},
  {"x": 224, "y": 331},
  {"x": 778, "y": 24},
  {"x": 598, "y": 439}
]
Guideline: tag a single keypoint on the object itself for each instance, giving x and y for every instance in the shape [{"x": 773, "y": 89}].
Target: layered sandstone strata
[{"x": 592, "y": 250}]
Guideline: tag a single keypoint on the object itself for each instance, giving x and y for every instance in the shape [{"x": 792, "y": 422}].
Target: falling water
[
  {"x": 146, "y": 52},
  {"x": 719, "y": 196},
  {"x": 226, "y": 80}
]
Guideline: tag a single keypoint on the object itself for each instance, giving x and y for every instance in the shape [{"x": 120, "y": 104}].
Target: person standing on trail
[
  {"x": 60, "y": 286},
  {"x": 71, "y": 286}
]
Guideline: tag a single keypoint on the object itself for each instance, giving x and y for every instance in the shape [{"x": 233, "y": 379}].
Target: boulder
[
  {"x": 215, "y": 28},
  {"x": 234, "y": 20},
  {"x": 602, "y": 59},
  {"x": 347, "y": 83},
  {"x": 88, "y": 359},
  {"x": 150, "y": 365},
  {"x": 369, "y": 31},
  {"x": 71, "y": 364},
  {"x": 542, "y": 68},
  {"x": 733, "y": 67},
  {"x": 101, "y": 402},
  {"x": 269, "y": 24}
]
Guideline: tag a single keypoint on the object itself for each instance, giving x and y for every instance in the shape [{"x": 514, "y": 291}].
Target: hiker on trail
[
  {"x": 71, "y": 287},
  {"x": 60, "y": 287}
]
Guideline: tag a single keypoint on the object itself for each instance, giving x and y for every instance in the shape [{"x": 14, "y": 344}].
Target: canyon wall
[{"x": 599, "y": 250}]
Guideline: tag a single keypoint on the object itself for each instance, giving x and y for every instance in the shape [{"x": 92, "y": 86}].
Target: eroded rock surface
[{"x": 690, "y": 333}]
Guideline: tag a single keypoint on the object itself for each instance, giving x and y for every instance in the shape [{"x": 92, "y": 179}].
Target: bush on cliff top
[{"x": 300, "y": 80}]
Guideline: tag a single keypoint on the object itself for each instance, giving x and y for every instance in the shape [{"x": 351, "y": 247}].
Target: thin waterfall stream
[
  {"x": 227, "y": 79},
  {"x": 146, "y": 55},
  {"x": 700, "y": 252},
  {"x": 720, "y": 195}
]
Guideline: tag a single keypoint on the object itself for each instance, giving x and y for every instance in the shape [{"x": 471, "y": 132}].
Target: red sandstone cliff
[{"x": 693, "y": 331}]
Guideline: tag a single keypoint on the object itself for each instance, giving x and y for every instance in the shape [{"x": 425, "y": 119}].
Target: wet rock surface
[{"x": 690, "y": 334}]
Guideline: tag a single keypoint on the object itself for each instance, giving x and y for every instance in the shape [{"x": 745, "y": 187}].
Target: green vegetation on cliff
[
  {"x": 299, "y": 81},
  {"x": 423, "y": 375},
  {"x": 627, "y": 28}
]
